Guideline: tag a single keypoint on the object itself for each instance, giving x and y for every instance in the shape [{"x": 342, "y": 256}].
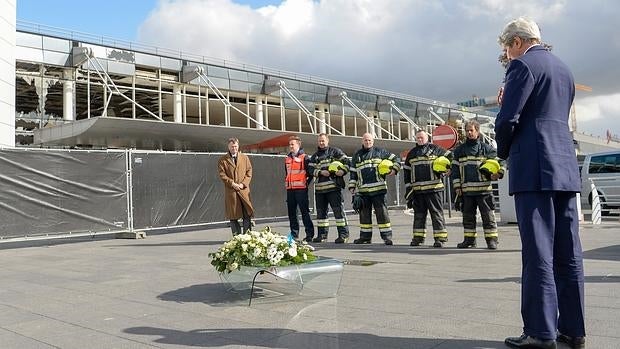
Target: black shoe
[
  {"x": 308, "y": 239},
  {"x": 573, "y": 342},
  {"x": 492, "y": 244},
  {"x": 361, "y": 241},
  {"x": 320, "y": 239},
  {"x": 528, "y": 342},
  {"x": 341, "y": 240},
  {"x": 467, "y": 243},
  {"x": 416, "y": 241},
  {"x": 388, "y": 242},
  {"x": 439, "y": 242}
]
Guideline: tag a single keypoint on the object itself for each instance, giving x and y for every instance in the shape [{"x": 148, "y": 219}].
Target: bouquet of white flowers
[{"x": 260, "y": 249}]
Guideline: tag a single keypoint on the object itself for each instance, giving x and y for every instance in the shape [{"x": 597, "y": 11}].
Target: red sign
[{"x": 445, "y": 136}]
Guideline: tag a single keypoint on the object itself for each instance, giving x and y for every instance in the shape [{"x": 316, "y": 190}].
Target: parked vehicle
[{"x": 604, "y": 170}]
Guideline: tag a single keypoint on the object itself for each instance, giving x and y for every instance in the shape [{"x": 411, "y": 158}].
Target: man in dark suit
[{"x": 532, "y": 132}]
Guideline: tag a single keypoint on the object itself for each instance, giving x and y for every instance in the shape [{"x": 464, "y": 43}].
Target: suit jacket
[
  {"x": 230, "y": 173},
  {"x": 532, "y": 125}
]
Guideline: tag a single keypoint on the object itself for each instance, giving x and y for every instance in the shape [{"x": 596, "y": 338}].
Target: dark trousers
[
  {"x": 383, "y": 219},
  {"x": 299, "y": 198},
  {"x": 484, "y": 203},
  {"x": 424, "y": 203},
  {"x": 333, "y": 199},
  {"x": 247, "y": 223},
  {"x": 552, "y": 276}
]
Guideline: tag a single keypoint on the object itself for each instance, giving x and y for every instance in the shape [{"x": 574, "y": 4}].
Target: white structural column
[
  {"x": 178, "y": 104},
  {"x": 322, "y": 127},
  {"x": 259, "y": 113},
  {"x": 7, "y": 72},
  {"x": 68, "y": 91}
]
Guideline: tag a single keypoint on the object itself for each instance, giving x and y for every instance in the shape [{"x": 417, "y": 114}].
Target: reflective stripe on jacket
[
  {"x": 466, "y": 164},
  {"x": 364, "y": 174},
  {"x": 296, "y": 172},
  {"x": 418, "y": 169},
  {"x": 320, "y": 161}
]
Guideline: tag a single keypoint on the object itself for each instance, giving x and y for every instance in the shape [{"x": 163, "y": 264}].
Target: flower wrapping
[{"x": 262, "y": 248}]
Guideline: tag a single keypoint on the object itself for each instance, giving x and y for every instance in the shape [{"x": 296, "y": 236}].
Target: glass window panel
[
  {"x": 170, "y": 64},
  {"x": 320, "y": 89},
  {"x": 147, "y": 60},
  {"x": 239, "y": 85},
  {"x": 254, "y": 77},
  {"x": 218, "y": 72},
  {"x": 28, "y": 40},
  {"x": 291, "y": 84},
  {"x": 54, "y": 44},
  {"x": 221, "y": 83},
  {"x": 238, "y": 75},
  {"x": 255, "y": 88}
]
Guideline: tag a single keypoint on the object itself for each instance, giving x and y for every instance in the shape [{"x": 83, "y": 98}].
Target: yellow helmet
[
  {"x": 489, "y": 167},
  {"x": 441, "y": 164},
  {"x": 335, "y": 166},
  {"x": 385, "y": 166}
]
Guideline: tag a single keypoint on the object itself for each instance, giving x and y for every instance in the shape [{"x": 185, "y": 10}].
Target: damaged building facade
[{"x": 153, "y": 98}]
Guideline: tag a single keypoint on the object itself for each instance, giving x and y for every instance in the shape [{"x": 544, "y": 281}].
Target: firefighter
[
  {"x": 328, "y": 166},
  {"x": 424, "y": 168},
  {"x": 474, "y": 185},
  {"x": 369, "y": 167},
  {"x": 297, "y": 181}
]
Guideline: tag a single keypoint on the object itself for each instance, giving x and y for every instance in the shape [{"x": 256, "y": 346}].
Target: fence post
[{"x": 596, "y": 204}]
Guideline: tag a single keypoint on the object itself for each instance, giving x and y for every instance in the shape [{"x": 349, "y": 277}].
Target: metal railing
[{"x": 42, "y": 29}]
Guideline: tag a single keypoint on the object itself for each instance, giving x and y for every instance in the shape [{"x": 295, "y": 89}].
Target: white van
[{"x": 604, "y": 170}]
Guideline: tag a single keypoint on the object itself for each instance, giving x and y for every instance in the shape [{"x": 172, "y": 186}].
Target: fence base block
[{"x": 131, "y": 235}]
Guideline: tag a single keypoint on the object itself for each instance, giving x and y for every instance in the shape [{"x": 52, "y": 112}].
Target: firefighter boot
[
  {"x": 468, "y": 242},
  {"x": 417, "y": 241},
  {"x": 439, "y": 242},
  {"x": 492, "y": 243}
]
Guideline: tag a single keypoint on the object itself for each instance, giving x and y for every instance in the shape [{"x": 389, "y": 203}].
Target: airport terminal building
[{"x": 81, "y": 91}]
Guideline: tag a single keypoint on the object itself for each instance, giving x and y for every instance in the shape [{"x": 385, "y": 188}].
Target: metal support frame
[
  {"x": 83, "y": 55},
  {"x": 432, "y": 112},
  {"x": 197, "y": 71},
  {"x": 309, "y": 116},
  {"x": 401, "y": 113},
  {"x": 346, "y": 99}
]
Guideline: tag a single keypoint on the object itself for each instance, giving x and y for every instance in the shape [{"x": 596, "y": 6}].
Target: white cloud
[
  {"x": 598, "y": 113},
  {"x": 442, "y": 50}
]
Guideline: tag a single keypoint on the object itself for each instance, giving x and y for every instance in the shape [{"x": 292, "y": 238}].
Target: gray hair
[{"x": 522, "y": 27}]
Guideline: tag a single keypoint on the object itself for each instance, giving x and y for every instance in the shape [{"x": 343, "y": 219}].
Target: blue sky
[
  {"x": 104, "y": 18},
  {"x": 442, "y": 50}
]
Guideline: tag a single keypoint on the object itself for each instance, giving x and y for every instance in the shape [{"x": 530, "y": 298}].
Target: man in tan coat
[{"x": 235, "y": 170}]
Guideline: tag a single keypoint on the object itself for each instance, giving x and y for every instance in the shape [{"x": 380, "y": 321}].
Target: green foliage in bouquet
[{"x": 260, "y": 249}]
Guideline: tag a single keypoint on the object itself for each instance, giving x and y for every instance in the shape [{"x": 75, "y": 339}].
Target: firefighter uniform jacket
[
  {"x": 418, "y": 169},
  {"x": 364, "y": 173},
  {"x": 320, "y": 161},
  {"x": 466, "y": 162}
]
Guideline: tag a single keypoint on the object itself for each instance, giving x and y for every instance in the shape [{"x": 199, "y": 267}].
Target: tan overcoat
[{"x": 239, "y": 173}]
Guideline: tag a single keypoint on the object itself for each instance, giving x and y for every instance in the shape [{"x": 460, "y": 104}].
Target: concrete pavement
[{"x": 161, "y": 292}]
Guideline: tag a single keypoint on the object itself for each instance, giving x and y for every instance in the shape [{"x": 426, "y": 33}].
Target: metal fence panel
[
  {"x": 180, "y": 189},
  {"x": 45, "y": 192}
]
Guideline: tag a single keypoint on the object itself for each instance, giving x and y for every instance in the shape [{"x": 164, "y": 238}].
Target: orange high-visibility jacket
[{"x": 296, "y": 172}]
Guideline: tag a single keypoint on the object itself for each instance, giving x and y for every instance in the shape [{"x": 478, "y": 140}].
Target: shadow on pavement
[
  {"x": 164, "y": 244},
  {"x": 286, "y": 338},
  {"x": 588, "y": 279},
  {"x": 607, "y": 253},
  {"x": 378, "y": 246}
]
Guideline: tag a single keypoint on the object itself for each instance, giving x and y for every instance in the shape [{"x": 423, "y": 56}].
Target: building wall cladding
[{"x": 7, "y": 72}]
